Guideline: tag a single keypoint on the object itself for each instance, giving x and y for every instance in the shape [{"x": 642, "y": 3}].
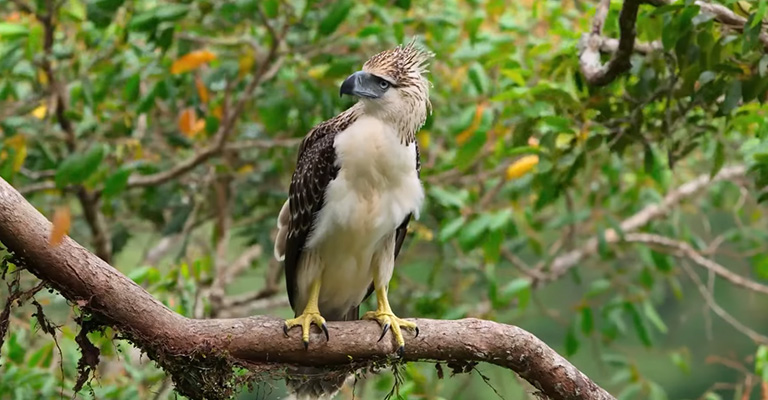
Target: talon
[
  {"x": 305, "y": 321},
  {"x": 383, "y": 332},
  {"x": 417, "y": 332},
  {"x": 401, "y": 351}
]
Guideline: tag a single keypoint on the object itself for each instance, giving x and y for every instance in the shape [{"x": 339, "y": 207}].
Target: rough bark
[{"x": 180, "y": 344}]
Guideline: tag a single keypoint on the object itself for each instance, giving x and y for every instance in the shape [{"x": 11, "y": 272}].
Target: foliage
[{"x": 127, "y": 114}]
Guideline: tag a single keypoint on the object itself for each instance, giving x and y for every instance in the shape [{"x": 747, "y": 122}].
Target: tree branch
[
  {"x": 216, "y": 345},
  {"x": 597, "y": 73},
  {"x": 565, "y": 262},
  {"x": 689, "y": 252},
  {"x": 592, "y": 43}
]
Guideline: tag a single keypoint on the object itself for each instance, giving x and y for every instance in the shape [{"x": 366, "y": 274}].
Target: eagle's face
[{"x": 392, "y": 86}]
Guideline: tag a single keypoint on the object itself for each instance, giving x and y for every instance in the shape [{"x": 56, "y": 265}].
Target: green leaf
[
  {"x": 598, "y": 287},
  {"x": 719, "y": 159},
  {"x": 479, "y": 78},
  {"x": 78, "y": 167},
  {"x": 732, "y": 98},
  {"x": 450, "y": 229},
  {"x": 131, "y": 89},
  {"x": 9, "y": 31},
  {"x": 519, "y": 288},
  {"x": 653, "y": 316},
  {"x": 572, "y": 343},
  {"x": 270, "y": 8},
  {"x": 171, "y": 12},
  {"x": 335, "y": 17},
  {"x": 116, "y": 183},
  {"x": 641, "y": 329}
]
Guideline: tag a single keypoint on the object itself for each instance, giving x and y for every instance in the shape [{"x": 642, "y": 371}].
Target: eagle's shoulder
[{"x": 330, "y": 128}]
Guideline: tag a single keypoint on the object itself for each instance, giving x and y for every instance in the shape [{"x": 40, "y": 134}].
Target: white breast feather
[{"x": 376, "y": 188}]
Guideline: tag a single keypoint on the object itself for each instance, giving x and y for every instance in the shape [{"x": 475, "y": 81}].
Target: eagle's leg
[
  {"x": 387, "y": 319},
  {"x": 310, "y": 315}
]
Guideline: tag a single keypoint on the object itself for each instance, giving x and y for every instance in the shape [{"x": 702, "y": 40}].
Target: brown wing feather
[{"x": 315, "y": 169}]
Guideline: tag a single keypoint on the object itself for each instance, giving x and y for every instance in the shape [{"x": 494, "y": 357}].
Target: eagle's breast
[{"x": 376, "y": 188}]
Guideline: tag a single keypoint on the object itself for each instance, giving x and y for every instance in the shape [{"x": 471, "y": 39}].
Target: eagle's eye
[{"x": 383, "y": 84}]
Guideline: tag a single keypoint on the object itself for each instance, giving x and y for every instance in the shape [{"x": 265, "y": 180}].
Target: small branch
[
  {"x": 216, "y": 345},
  {"x": 266, "y": 71},
  {"x": 565, "y": 262},
  {"x": 709, "y": 298},
  {"x": 689, "y": 252}
]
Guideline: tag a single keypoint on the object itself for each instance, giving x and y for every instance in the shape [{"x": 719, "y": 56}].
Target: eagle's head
[{"x": 392, "y": 87}]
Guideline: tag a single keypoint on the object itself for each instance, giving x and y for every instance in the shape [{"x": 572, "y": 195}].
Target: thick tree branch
[
  {"x": 594, "y": 70},
  {"x": 592, "y": 43},
  {"x": 100, "y": 289}
]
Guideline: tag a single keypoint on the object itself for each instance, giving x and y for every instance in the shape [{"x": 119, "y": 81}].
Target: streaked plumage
[{"x": 355, "y": 188}]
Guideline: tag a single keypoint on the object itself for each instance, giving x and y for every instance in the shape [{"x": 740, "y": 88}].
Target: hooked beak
[{"x": 359, "y": 85}]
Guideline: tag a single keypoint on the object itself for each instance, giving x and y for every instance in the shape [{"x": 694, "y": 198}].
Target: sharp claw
[
  {"x": 306, "y": 344},
  {"x": 401, "y": 351},
  {"x": 384, "y": 332},
  {"x": 417, "y": 332},
  {"x": 325, "y": 330},
  {"x": 285, "y": 330}
]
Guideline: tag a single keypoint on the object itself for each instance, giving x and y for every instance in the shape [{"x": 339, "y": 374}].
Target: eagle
[{"x": 355, "y": 188}]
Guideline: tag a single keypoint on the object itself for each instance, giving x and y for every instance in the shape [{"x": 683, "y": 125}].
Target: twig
[
  {"x": 266, "y": 71},
  {"x": 707, "y": 295},
  {"x": 565, "y": 262},
  {"x": 689, "y": 252}
]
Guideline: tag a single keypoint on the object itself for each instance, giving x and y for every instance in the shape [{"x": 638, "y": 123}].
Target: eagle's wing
[{"x": 315, "y": 169}]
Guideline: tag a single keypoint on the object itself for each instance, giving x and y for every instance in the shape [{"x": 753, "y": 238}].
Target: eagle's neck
[{"x": 407, "y": 117}]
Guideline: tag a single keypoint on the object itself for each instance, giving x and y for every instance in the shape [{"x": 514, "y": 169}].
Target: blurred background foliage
[{"x": 162, "y": 135}]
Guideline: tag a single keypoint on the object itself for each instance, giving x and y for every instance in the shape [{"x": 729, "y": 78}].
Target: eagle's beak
[{"x": 359, "y": 84}]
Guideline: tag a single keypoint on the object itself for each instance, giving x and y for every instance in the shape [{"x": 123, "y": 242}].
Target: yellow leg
[
  {"x": 384, "y": 316},
  {"x": 310, "y": 315}
]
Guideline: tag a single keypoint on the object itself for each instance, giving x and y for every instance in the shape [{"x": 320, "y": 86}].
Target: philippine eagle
[{"x": 355, "y": 188}]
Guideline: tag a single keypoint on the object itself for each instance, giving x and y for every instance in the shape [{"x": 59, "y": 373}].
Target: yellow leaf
[
  {"x": 245, "y": 63},
  {"x": 245, "y": 169},
  {"x": 21, "y": 155},
  {"x": 424, "y": 139},
  {"x": 19, "y": 145},
  {"x": 464, "y": 136},
  {"x": 61, "y": 223},
  {"x": 218, "y": 112},
  {"x": 522, "y": 166},
  {"x": 40, "y": 111},
  {"x": 192, "y": 60},
  {"x": 202, "y": 91}
]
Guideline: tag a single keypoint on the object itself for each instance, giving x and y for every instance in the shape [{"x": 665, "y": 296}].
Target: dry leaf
[
  {"x": 61, "y": 223},
  {"x": 192, "y": 60},
  {"x": 189, "y": 125},
  {"x": 522, "y": 166},
  {"x": 202, "y": 91}
]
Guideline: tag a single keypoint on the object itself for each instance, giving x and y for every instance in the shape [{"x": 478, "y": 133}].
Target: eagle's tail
[{"x": 312, "y": 383}]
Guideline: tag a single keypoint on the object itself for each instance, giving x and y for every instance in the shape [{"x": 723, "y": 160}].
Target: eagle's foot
[
  {"x": 306, "y": 320},
  {"x": 388, "y": 321}
]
